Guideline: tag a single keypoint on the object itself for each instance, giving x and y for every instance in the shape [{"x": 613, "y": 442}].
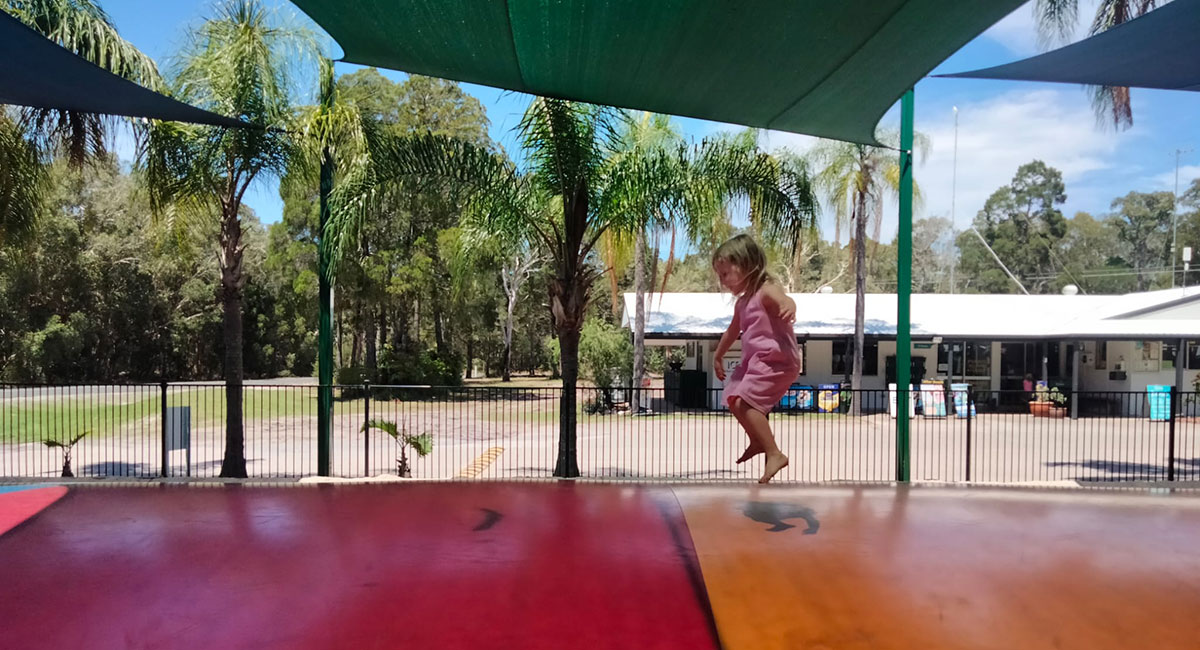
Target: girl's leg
[
  {"x": 756, "y": 425},
  {"x": 753, "y": 448}
]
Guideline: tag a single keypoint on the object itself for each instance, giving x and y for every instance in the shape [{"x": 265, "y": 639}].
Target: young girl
[{"x": 762, "y": 317}]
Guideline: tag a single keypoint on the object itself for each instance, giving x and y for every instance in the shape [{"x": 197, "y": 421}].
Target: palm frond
[
  {"x": 422, "y": 443},
  {"x": 58, "y": 444},
  {"x": 82, "y": 27},
  {"x": 568, "y": 142},
  {"x": 488, "y": 183},
  {"x": 1056, "y": 21},
  {"x": 22, "y": 183}
]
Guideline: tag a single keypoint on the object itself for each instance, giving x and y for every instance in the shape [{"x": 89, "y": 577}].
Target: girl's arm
[
  {"x": 731, "y": 334},
  {"x": 778, "y": 302}
]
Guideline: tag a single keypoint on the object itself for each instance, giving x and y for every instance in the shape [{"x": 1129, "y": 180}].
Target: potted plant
[
  {"x": 422, "y": 444},
  {"x": 1058, "y": 408},
  {"x": 1040, "y": 406},
  {"x": 66, "y": 447}
]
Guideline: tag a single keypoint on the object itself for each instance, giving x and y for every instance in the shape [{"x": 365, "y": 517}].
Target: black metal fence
[{"x": 152, "y": 430}]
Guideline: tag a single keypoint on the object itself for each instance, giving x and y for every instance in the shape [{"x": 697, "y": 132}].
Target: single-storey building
[{"x": 1082, "y": 343}]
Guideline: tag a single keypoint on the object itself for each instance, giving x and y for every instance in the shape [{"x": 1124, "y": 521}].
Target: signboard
[
  {"x": 960, "y": 400},
  {"x": 179, "y": 433},
  {"x": 933, "y": 400}
]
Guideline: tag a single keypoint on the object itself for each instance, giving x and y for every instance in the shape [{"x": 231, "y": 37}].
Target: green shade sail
[{"x": 819, "y": 67}]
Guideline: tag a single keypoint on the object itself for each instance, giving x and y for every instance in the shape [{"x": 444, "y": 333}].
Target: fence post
[
  {"x": 1171, "y": 434},
  {"x": 163, "y": 419},
  {"x": 366, "y": 430},
  {"x": 970, "y": 401}
]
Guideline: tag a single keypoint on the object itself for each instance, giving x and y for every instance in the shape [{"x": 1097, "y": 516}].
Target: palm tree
[
  {"x": 570, "y": 152},
  {"x": 692, "y": 191},
  {"x": 240, "y": 62},
  {"x": 1056, "y": 21},
  {"x": 82, "y": 27},
  {"x": 67, "y": 447},
  {"x": 855, "y": 178},
  {"x": 421, "y": 443}
]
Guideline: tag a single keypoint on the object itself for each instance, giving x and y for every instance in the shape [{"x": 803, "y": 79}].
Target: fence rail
[{"x": 150, "y": 430}]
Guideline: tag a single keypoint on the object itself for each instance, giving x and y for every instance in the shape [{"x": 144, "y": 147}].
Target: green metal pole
[
  {"x": 325, "y": 328},
  {"x": 904, "y": 291}
]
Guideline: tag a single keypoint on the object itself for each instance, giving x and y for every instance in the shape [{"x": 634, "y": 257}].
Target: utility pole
[
  {"x": 1175, "y": 215},
  {"x": 953, "y": 196}
]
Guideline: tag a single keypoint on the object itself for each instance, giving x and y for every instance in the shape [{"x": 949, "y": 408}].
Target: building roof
[{"x": 981, "y": 316}]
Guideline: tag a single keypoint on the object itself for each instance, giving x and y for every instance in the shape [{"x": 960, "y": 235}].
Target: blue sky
[{"x": 1001, "y": 125}]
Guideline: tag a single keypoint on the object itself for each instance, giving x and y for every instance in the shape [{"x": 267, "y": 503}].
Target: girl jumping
[{"x": 762, "y": 317}]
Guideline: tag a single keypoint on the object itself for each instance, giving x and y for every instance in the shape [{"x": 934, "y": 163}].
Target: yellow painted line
[{"x": 480, "y": 464}]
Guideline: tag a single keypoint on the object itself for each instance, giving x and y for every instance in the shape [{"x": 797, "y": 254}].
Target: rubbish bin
[{"x": 1160, "y": 402}]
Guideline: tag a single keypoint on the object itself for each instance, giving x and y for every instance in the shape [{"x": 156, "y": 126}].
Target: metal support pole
[
  {"x": 366, "y": 430},
  {"x": 325, "y": 327},
  {"x": 1075, "y": 380},
  {"x": 165, "y": 455},
  {"x": 970, "y": 401},
  {"x": 1171, "y": 435},
  {"x": 1181, "y": 355},
  {"x": 904, "y": 291}
]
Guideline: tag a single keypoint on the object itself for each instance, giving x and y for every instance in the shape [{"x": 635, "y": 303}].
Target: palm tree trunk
[
  {"x": 639, "y": 329},
  {"x": 860, "y": 301},
  {"x": 568, "y": 302},
  {"x": 567, "y": 465},
  {"x": 234, "y": 463}
]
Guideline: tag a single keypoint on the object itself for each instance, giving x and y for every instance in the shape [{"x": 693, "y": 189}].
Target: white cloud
[
  {"x": 997, "y": 135},
  {"x": 1165, "y": 182},
  {"x": 1018, "y": 31}
]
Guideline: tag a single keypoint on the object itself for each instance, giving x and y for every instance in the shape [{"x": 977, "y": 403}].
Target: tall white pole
[
  {"x": 953, "y": 196},
  {"x": 1174, "y": 216}
]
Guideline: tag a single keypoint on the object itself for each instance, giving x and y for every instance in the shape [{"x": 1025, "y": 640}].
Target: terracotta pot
[
  {"x": 1057, "y": 412},
  {"x": 1040, "y": 409}
]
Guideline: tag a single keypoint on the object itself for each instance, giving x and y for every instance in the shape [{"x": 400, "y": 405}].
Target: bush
[
  {"x": 553, "y": 356},
  {"x": 419, "y": 366},
  {"x": 605, "y": 355}
]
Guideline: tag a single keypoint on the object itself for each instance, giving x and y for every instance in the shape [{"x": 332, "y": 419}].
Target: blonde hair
[{"x": 744, "y": 252}]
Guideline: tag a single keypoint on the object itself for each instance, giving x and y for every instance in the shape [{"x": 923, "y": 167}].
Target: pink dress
[{"x": 770, "y": 357}]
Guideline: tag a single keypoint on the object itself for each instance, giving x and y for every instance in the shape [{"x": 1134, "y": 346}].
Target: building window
[
  {"x": 803, "y": 357},
  {"x": 843, "y": 357},
  {"x": 1101, "y": 355},
  {"x": 977, "y": 358},
  {"x": 1170, "y": 350},
  {"x": 1193, "y": 360},
  {"x": 944, "y": 356}
]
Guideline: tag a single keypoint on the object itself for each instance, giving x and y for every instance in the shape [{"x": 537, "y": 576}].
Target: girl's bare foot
[
  {"x": 753, "y": 450},
  {"x": 775, "y": 462}
]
